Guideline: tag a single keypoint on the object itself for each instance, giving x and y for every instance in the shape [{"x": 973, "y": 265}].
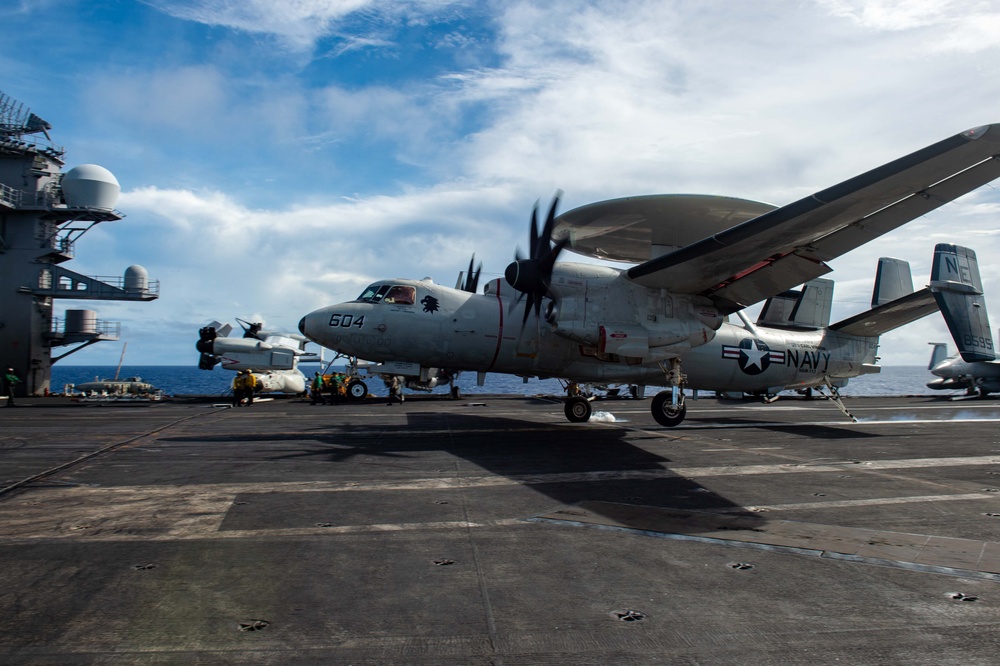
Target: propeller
[
  {"x": 206, "y": 345},
  {"x": 471, "y": 281},
  {"x": 532, "y": 275},
  {"x": 250, "y": 330}
]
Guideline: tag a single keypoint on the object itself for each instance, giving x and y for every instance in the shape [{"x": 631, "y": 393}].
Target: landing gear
[
  {"x": 665, "y": 412},
  {"x": 578, "y": 409},
  {"x": 668, "y": 407},
  {"x": 456, "y": 393},
  {"x": 357, "y": 390}
]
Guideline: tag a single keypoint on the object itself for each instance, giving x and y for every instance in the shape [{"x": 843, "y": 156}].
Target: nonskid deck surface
[{"x": 491, "y": 530}]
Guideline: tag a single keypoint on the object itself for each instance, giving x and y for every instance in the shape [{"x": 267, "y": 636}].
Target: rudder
[{"x": 958, "y": 290}]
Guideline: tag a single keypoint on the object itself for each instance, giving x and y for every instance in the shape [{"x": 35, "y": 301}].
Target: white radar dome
[
  {"x": 136, "y": 278},
  {"x": 90, "y": 186}
]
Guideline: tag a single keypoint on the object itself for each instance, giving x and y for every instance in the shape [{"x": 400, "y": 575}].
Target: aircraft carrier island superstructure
[{"x": 43, "y": 212}]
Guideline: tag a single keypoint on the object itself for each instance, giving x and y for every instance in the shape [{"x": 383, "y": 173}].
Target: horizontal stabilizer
[
  {"x": 889, "y": 316},
  {"x": 892, "y": 280},
  {"x": 958, "y": 289}
]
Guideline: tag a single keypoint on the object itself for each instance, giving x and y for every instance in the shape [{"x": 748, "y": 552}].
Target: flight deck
[{"x": 489, "y": 530}]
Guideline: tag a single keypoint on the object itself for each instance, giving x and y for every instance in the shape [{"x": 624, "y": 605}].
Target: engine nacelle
[
  {"x": 662, "y": 339},
  {"x": 708, "y": 315},
  {"x": 567, "y": 316}
]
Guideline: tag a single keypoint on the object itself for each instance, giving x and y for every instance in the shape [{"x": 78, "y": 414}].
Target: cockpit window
[
  {"x": 375, "y": 293},
  {"x": 398, "y": 294},
  {"x": 401, "y": 295}
]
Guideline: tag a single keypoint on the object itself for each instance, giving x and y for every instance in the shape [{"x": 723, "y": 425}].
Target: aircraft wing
[{"x": 788, "y": 246}]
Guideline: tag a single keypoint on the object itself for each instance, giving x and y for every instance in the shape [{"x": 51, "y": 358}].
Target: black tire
[
  {"x": 357, "y": 390},
  {"x": 578, "y": 409},
  {"x": 664, "y": 411},
  {"x": 456, "y": 393}
]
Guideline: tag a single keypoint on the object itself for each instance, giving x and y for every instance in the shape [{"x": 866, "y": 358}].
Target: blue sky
[{"x": 277, "y": 156}]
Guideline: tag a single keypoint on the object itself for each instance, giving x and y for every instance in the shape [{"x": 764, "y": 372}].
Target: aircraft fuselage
[{"x": 603, "y": 330}]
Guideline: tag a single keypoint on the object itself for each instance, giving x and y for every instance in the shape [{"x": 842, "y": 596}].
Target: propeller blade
[
  {"x": 532, "y": 276},
  {"x": 545, "y": 241},
  {"x": 470, "y": 283},
  {"x": 533, "y": 238},
  {"x": 474, "y": 278}
]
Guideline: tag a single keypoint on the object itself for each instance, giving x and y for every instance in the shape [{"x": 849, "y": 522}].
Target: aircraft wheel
[
  {"x": 357, "y": 389},
  {"x": 456, "y": 393},
  {"x": 578, "y": 409},
  {"x": 664, "y": 411}
]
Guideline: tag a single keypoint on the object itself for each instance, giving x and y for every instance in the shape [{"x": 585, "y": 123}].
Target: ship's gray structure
[{"x": 43, "y": 212}]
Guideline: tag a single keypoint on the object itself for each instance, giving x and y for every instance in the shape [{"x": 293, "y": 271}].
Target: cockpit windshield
[{"x": 389, "y": 293}]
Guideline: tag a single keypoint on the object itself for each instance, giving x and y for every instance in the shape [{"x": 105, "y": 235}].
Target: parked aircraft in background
[
  {"x": 272, "y": 356},
  {"x": 712, "y": 257},
  {"x": 955, "y": 373}
]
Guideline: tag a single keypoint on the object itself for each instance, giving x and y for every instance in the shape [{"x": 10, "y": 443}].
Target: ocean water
[{"x": 189, "y": 380}]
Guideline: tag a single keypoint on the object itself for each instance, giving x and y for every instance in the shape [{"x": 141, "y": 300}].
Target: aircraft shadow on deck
[{"x": 567, "y": 464}]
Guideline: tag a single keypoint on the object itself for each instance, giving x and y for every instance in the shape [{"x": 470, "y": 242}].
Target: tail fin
[
  {"x": 892, "y": 280},
  {"x": 938, "y": 354},
  {"x": 958, "y": 291},
  {"x": 223, "y": 330},
  {"x": 806, "y": 308}
]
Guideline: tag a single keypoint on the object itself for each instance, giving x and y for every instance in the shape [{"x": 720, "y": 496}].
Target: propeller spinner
[{"x": 532, "y": 276}]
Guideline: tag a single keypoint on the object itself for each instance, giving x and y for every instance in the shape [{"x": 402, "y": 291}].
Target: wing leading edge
[{"x": 790, "y": 245}]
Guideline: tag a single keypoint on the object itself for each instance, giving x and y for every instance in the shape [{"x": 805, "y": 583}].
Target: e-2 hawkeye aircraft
[
  {"x": 712, "y": 256},
  {"x": 272, "y": 356}
]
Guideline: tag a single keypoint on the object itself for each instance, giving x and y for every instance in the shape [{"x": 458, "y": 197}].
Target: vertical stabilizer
[
  {"x": 938, "y": 354},
  {"x": 809, "y": 307},
  {"x": 777, "y": 310},
  {"x": 958, "y": 291},
  {"x": 813, "y": 309},
  {"x": 892, "y": 280}
]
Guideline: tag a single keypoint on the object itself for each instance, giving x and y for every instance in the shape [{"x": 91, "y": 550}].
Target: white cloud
[
  {"x": 965, "y": 26},
  {"x": 893, "y": 14},
  {"x": 297, "y": 23}
]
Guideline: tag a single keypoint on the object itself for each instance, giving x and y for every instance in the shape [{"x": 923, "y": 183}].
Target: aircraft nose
[{"x": 302, "y": 326}]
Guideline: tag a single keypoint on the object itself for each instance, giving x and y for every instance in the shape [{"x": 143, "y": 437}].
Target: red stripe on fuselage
[{"x": 496, "y": 353}]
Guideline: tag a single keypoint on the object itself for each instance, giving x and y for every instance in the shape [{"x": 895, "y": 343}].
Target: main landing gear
[
  {"x": 668, "y": 408},
  {"x": 578, "y": 409}
]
